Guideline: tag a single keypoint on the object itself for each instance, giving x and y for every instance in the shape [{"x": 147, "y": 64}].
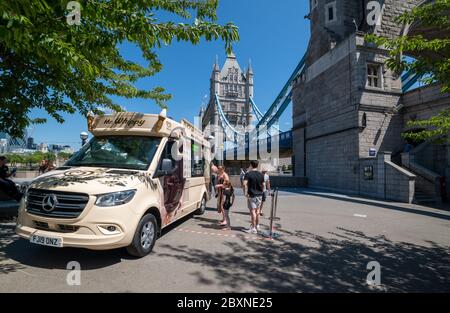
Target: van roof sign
[{"x": 126, "y": 123}]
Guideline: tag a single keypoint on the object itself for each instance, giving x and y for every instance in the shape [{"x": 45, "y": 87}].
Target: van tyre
[
  {"x": 202, "y": 208},
  {"x": 144, "y": 236}
]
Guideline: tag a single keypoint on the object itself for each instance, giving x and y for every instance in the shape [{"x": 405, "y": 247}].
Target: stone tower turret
[{"x": 234, "y": 88}]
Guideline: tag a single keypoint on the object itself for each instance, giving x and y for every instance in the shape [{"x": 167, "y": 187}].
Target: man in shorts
[{"x": 253, "y": 190}]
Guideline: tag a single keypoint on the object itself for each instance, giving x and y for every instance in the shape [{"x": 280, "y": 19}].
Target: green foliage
[
  {"x": 15, "y": 158},
  {"x": 45, "y": 63},
  {"x": 432, "y": 55},
  {"x": 437, "y": 127},
  {"x": 64, "y": 155},
  {"x": 432, "y": 60},
  {"x": 49, "y": 156},
  {"x": 30, "y": 158}
]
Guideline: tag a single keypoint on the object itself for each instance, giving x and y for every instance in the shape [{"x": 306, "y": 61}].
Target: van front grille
[
  {"x": 58, "y": 228},
  {"x": 67, "y": 228},
  {"x": 41, "y": 225},
  {"x": 61, "y": 204}
]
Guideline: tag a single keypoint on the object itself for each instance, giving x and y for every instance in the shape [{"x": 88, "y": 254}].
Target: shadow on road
[
  {"x": 17, "y": 253},
  {"x": 22, "y": 253},
  {"x": 319, "y": 264}
]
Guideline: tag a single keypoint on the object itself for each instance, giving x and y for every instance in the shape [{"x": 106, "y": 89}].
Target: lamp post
[{"x": 84, "y": 137}]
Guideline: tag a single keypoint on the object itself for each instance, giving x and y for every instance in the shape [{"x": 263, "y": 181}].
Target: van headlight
[{"x": 115, "y": 198}]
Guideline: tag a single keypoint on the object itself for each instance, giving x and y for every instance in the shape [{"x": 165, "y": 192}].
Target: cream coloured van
[{"x": 138, "y": 174}]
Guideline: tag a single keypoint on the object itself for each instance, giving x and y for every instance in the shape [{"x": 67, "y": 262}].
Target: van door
[{"x": 173, "y": 184}]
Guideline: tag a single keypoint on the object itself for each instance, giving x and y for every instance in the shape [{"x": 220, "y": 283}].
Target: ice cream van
[{"x": 138, "y": 174}]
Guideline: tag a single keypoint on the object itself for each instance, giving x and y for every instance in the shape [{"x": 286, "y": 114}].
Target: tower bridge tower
[
  {"x": 234, "y": 87},
  {"x": 345, "y": 104}
]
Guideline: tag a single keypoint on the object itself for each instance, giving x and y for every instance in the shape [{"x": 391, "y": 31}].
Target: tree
[
  {"x": 48, "y": 62},
  {"x": 15, "y": 158},
  {"x": 436, "y": 128},
  {"x": 431, "y": 59},
  {"x": 65, "y": 155},
  {"x": 431, "y": 52},
  {"x": 49, "y": 156}
]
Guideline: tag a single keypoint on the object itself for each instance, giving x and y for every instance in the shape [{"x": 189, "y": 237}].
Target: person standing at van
[
  {"x": 222, "y": 176},
  {"x": 7, "y": 185},
  {"x": 228, "y": 194},
  {"x": 214, "y": 178},
  {"x": 253, "y": 190},
  {"x": 241, "y": 177}
]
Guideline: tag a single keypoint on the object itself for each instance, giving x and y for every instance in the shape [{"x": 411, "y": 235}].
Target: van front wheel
[
  {"x": 202, "y": 208},
  {"x": 144, "y": 236}
]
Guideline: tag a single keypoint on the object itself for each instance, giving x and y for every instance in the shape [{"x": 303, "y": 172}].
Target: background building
[{"x": 349, "y": 110}]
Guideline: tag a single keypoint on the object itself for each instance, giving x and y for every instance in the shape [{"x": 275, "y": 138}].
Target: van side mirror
[
  {"x": 165, "y": 168},
  {"x": 166, "y": 165}
]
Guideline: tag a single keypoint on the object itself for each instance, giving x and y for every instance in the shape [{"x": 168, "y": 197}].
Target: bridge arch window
[
  {"x": 330, "y": 12},
  {"x": 374, "y": 75},
  {"x": 233, "y": 107}
]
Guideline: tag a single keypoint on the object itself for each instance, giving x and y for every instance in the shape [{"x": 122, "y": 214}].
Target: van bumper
[
  {"x": 93, "y": 242},
  {"x": 88, "y": 231}
]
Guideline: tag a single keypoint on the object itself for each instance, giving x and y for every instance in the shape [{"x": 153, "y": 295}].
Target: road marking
[
  {"x": 360, "y": 215},
  {"x": 221, "y": 235},
  {"x": 26, "y": 273}
]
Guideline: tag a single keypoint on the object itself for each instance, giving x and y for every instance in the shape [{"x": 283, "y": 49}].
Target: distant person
[
  {"x": 241, "y": 177},
  {"x": 43, "y": 166},
  {"x": 228, "y": 200},
  {"x": 46, "y": 166},
  {"x": 6, "y": 185},
  {"x": 266, "y": 191},
  {"x": 222, "y": 176},
  {"x": 253, "y": 190},
  {"x": 214, "y": 171}
]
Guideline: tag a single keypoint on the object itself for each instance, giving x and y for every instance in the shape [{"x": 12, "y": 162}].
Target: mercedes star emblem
[{"x": 49, "y": 202}]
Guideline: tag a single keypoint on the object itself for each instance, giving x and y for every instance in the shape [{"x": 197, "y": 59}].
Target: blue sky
[{"x": 274, "y": 35}]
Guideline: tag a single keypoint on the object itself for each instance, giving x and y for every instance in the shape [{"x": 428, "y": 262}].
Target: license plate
[{"x": 47, "y": 241}]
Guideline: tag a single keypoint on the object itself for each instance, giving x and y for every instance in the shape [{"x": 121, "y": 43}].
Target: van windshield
[{"x": 128, "y": 152}]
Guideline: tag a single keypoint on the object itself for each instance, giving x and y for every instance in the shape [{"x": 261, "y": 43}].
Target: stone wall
[
  {"x": 332, "y": 161},
  {"x": 389, "y": 181},
  {"x": 288, "y": 182},
  {"x": 400, "y": 184},
  {"x": 351, "y": 16},
  {"x": 392, "y": 8},
  {"x": 425, "y": 102},
  {"x": 338, "y": 116},
  {"x": 383, "y": 133},
  {"x": 372, "y": 186}
]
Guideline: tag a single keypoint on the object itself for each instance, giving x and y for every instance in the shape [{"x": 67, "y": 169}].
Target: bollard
[{"x": 273, "y": 209}]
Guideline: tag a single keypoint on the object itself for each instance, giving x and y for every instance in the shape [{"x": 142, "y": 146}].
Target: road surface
[{"x": 325, "y": 243}]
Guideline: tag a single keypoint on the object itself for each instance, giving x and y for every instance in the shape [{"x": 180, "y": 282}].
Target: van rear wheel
[
  {"x": 202, "y": 208},
  {"x": 144, "y": 236}
]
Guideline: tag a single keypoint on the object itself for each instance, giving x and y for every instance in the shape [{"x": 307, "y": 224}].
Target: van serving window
[{"x": 197, "y": 159}]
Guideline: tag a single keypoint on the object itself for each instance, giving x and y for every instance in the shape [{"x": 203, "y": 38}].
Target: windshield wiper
[{"x": 109, "y": 165}]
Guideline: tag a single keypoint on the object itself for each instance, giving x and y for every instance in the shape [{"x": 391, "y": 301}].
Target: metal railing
[{"x": 273, "y": 215}]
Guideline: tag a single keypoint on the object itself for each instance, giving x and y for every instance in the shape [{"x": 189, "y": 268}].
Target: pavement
[{"x": 325, "y": 243}]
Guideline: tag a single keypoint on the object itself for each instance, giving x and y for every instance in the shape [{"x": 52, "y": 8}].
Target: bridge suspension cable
[
  {"x": 268, "y": 120},
  {"x": 226, "y": 124}
]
